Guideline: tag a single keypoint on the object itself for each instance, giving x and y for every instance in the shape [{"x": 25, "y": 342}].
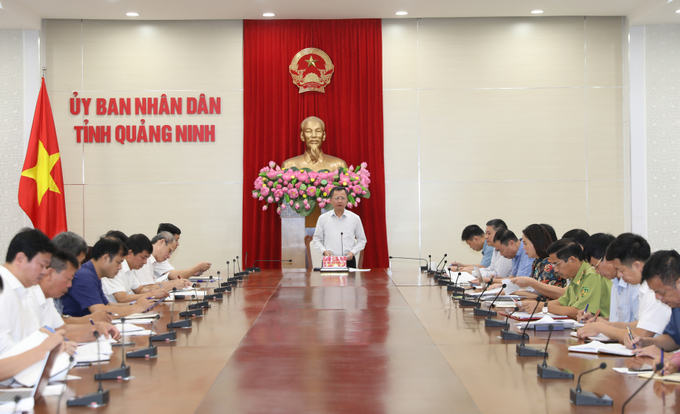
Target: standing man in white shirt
[
  {"x": 165, "y": 268},
  {"x": 27, "y": 261},
  {"x": 339, "y": 232}
]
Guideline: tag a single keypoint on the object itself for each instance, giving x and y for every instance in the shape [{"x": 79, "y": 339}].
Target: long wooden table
[{"x": 297, "y": 342}]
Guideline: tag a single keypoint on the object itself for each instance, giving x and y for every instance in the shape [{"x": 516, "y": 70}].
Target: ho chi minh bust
[{"x": 313, "y": 134}]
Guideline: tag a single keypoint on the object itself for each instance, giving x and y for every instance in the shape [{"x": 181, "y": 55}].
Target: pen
[
  {"x": 49, "y": 329},
  {"x": 585, "y": 311},
  {"x": 92, "y": 322},
  {"x": 630, "y": 336},
  {"x": 112, "y": 314},
  {"x": 596, "y": 315}
]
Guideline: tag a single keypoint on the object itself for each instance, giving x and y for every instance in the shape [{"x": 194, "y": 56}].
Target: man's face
[
  {"x": 339, "y": 200},
  {"x": 603, "y": 267},
  {"x": 490, "y": 233},
  {"x": 565, "y": 268},
  {"x": 632, "y": 274},
  {"x": 509, "y": 251},
  {"x": 32, "y": 271},
  {"x": 176, "y": 240},
  {"x": 666, "y": 294},
  {"x": 111, "y": 267},
  {"x": 313, "y": 134},
  {"x": 476, "y": 243},
  {"x": 59, "y": 283},
  {"x": 136, "y": 261},
  {"x": 162, "y": 251},
  {"x": 81, "y": 257}
]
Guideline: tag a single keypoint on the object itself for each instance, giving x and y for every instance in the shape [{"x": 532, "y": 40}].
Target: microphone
[
  {"x": 117, "y": 373},
  {"x": 170, "y": 335},
  {"x": 228, "y": 282},
  {"x": 214, "y": 295},
  {"x": 465, "y": 302},
  {"x": 224, "y": 286},
  {"x": 441, "y": 277},
  {"x": 657, "y": 367},
  {"x": 479, "y": 298},
  {"x": 430, "y": 272},
  {"x": 523, "y": 350},
  {"x": 422, "y": 268},
  {"x": 488, "y": 312},
  {"x": 453, "y": 287},
  {"x": 257, "y": 269},
  {"x": 508, "y": 335},
  {"x": 199, "y": 304},
  {"x": 342, "y": 246},
  {"x": 186, "y": 323},
  {"x": 240, "y": 273},
  {"x": 544, "y": 371},
  {"x": 579, "y": 397},
  {"x": 95, "y": 399},
  {"x": 151, "y": 351},
  {"x": 429, "y": 262}
]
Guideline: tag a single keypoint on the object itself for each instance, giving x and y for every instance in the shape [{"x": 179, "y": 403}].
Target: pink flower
[
  {"x": 298, "y": 184},
  {"x": 270, "y": 184},
  {"x": 264, "y": 170},
  {"x": 291, "y": 202},
  {"x": 311, "y": 191},
  {"x": 297, "y": 206},
  {"x": 258, "y": 183},
  {"x": 356, "y": 202},
  {"x": 264, "y": 191},
  {"x": 283, "y": 206},
  {"x": 255, "y": 194},
  {"x": 264, "y": 207},
  {"x": 307, "y": 207},
  {"x": 293, "y": 193},
  {"x": 271, "y": 174},
  {"x": 278, "y": 186},
  {"x": 260, "y": 198},
  {"x": 364, "y": 165},
  {"x": 270, "y": 199},
  {"x": 303, "y": 176},
  {"x": 313, "y": 175},
  {"x": 287, "y": 176},
  {"x": 318, "y": 199},
  {"x": 272, "y": 164},
  {"x": 277, "y": 199}
]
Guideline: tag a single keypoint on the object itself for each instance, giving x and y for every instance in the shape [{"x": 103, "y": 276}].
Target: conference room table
[{"x": 382, "y": 341}]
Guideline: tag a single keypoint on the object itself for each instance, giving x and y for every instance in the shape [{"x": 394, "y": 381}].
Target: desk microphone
[
  {"x": 237, "y": 275},
  {"x": 431, "y": 272},
  {"x": 462, "y": 301},
  {"x": 488, "y": 312},
  {"x": 228, "y": 282},
  {"x": 523, "y": 350},
  {"x": 508, "y": 335},
  {"x": 151, "y": 351},
  {"x": 95, "y": 399},
  {"x": 544, "y": 371},
  {"x": 454, "y": 287},
  {"x": 199, "y": 304},
  {"x": 240, "y": 273},
  {"x": 170, "y": 335},
  {"x": 117, "y": 373},
  {"x": 224, "y": 287},
  {"x": 215, "y": 295},
  {"x": 342, "y": 245},
  {"x": 422, "y": 268},
  {"x": 658, "y": 367},
  {"x": 186, "y": 323},
  {"x": 441, "y": 277},
  {"x": 476, "y": 303},
  {"x": 579, "y": 397}
]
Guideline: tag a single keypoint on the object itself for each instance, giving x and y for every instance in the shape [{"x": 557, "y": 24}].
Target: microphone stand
[
  {"x": 476, "y": 303},
  {"x": 488, "y": 312},
  {"x": 186, "y": 323},
  {"x": 151, "y": 351},
  {"x": 117, "y": 373},
  {"x": 95, "y": 399},
  {"x": 422, "y": 268},
  {"x": 441, "y": 277},
  {"x": 240, "y": 274},
  {"x": 224, "y": 287},
  {"x": 228, "y": 282},
  {"x": 544, "y": 371},
  {"x": 579, "y": 397},
  {"x": 170, "y": 335},
  {"x": 192, "y": 309},
  {"x": 433, "y": 272},
  {"x": 199, "y": 304},
  {"x": 523, "y": 350},
  {"x": 509, "y": 335},
  {"x": 658, "y": 367},
  {"x": 453, "y": 287},
  {"x": 214, "y": 295}
]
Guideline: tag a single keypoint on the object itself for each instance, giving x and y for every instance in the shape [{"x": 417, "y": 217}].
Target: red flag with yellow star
[{"x": 41, "y": 189}]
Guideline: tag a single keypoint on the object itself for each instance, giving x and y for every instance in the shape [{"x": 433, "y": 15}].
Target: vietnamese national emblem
[{"x": 311, "y": 69}]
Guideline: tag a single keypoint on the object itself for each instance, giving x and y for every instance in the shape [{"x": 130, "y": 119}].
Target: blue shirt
[
  {"x": 487, "y": 251},
  {"x": 521, "y": 263},
  {"x": 672, "y": 328},
  {"x": 85, "y": 291},
  {"x": 624, "y": 303}
]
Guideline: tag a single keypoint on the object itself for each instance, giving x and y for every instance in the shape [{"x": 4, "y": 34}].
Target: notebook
[
  {"x": 597, "y": 347},
  {"x": 672, "y": 377}
]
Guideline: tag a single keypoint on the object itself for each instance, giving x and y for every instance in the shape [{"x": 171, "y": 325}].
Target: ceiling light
[
  {"x": 268, "y": 14},
  {"x": 537, "y": 12},
  {"x": 401, "y": 13},
  {"x": 132, "y": 14},
  {"x": 677, "y": 11}
]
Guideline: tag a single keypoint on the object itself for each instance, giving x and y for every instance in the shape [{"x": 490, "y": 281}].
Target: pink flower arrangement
[{"x": 303, "y": 189}]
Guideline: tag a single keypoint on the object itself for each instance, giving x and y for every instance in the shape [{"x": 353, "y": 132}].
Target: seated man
[
  {"x": 40, "y": 301},
  {"x": 628, "y": 253},
  {"x": 500, "y": 266},
  {"x": 512, "y": 248},
  {"x": 473, "y": 235},
  {"x": 163, "y": 244},
  {"x": 661, "y": 272},
  {"x": 587, "y": 288},
  {"x": 27, "y": 261},
  {"x": 165, "y": 268},
  {"x": 125, "y": 287},
  {"x": 580, "y": 236},
  {"x": 86, "y": 295}
]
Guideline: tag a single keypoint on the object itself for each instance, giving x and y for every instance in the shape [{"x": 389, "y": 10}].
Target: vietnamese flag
[{"x": 41, "y": 189}]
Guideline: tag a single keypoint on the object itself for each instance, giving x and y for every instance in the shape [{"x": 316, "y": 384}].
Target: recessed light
[
  {"x": 677, "y": 11},
  {"x": 268, "y": 14},
  {"x": 401, "y": 13},
  {"x": 132, "y": 14},
  {"x": 537, "y": 12}
]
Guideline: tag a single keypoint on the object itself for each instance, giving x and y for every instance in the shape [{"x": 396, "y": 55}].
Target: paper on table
[
  {"x": 510, "y": 287},
  {"x": 488, "y": 292},
  {"x": 624, "y": 370},
  {"x": 599, "y": 337},
  {"x": 143, "y": 332},
  {"x": 351, "y": 269},
  {"x": 547, "y": 320},
  {"x": 671, "y": 377},
  {"x": 598, "y": 347}
]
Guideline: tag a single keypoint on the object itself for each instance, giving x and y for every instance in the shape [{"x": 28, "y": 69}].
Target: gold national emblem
[{"x": 311, "y": 69}]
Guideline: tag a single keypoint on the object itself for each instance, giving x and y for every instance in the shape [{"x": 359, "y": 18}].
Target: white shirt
[
  {"x": 161, "y": 269},
  {"x": 328, "y": 229},
  {"x": 125, "y": 281},
  {"x": 654, "y": 315},
  {"x": 145, "y": 273},
  {"x": 499, "y": 268},
  {"x": 42, "y": 309},
  {"x": 15, "y": 322}
]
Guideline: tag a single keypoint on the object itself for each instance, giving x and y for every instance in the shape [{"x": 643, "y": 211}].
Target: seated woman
[{"x": 543, "y": 279}]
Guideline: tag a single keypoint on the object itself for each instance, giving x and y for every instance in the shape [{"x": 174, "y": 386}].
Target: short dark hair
[
  {"x": 60, "y": 258},
  {"x": 506, "y": 237},
  {"x": 29, "y": 242},
  {"x": 112, "y": 246},
  {"x": 540, "y": 238},
  {"x": 596, "y": 246},
  {"x": 497, "y": 224},
  {"x": 664, "y": 264},
  {"x": 566, "y": 248},
  {"x": 138, "y": 243},
  {"x": 72, "y": 242},
  {"x": 471, "y": 231},
  {"x": 170, "y": 228},
  {"x": 499, "y": 234},
  {"x": 338, "y": 189},
  {"x": 628, "y": 248},
  {"x": 551, "y": 231},
  {"x": 117, "y": 234},
  {"x": 580, "y": 236}
]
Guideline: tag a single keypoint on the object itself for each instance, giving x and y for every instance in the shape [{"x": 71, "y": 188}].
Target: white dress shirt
[
  {"x": 145, "y": 274},
  {"x": 328, "y": 230},
  {"x": 499, "y": 268},
  {"x": 162, "y": 269},
  {"x": 42, "y": 309},
  {"x": 125, "y": 281},
  {"x": 654, "y": 315},
  {"x": 15, "y": 322}
]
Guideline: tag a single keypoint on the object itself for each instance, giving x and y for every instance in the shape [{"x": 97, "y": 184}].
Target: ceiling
[{"x": 27, "y": 14}]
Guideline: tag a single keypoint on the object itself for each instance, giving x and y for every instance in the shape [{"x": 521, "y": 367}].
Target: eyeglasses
[
  {"x": 597, "y": 264},
  {"x": 556, "y": 264}
]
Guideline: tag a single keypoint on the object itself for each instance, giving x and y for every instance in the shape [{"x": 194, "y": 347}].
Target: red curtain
[{"x": 351, "y": 107}]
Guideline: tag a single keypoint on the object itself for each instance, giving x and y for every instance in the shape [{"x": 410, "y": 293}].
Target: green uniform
[{"x": 588, "y": 288}]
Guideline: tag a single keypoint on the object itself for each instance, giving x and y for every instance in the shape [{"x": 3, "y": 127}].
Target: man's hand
[
  {"x": 204, "y": 266},
  {"x": 327, "y": 253},
  {"x": 584, "y": 316},
  {"x": 350, "y": 256},
  {"x": 590, "y": 329},
  {"x": 101, "y": 315},
  {"x": 108, "y": 330},
  {"x": 143, "y": 304},
  {"x": 529, "y": 305},
  {"x": 159, "y": 294},
  {"x": 522, "y": 281},
  {"x": 637, "y": 341}
]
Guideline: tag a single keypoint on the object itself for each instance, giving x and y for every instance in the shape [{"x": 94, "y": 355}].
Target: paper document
[
  {"x": 547, "y": 320},
  {"x": 510, "y": 287},
  {"x": 598, "y": 337},
  {"x": 671, "y": 377},
  {"x": 523, "y": 316},
  {"x": 596, "y": 347}
]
